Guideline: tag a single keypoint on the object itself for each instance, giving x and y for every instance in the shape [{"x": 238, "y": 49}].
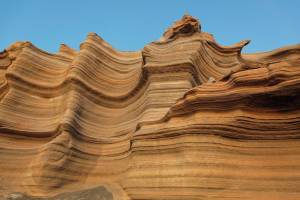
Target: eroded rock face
[
  {"x": 186, "y": 26},
  {"x": 184, "y": 118}
]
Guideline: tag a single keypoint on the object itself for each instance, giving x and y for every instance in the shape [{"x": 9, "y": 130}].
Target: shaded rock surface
[{"x": 98, "y": 193}]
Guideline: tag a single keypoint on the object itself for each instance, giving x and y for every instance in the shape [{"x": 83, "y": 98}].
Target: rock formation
[{"x": 184, "y": 118}]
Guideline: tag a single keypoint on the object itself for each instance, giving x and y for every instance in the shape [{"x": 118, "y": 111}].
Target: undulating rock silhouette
[{"x": 184, "y": 118}]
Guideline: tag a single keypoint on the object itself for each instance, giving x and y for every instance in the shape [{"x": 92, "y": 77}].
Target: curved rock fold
[{"x": 184, "y": 118}]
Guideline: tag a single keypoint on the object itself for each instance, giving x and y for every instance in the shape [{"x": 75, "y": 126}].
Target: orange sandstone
[{"x": 184, "y": 118}]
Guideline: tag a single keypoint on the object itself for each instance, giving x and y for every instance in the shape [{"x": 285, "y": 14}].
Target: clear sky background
[{"x": 130, "y": 25}]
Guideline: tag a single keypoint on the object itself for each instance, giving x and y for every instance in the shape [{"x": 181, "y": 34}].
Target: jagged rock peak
[{"x": 187, "y": 25}]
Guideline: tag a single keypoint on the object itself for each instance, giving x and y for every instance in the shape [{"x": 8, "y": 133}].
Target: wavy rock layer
[{"x": 185, "y": 118}]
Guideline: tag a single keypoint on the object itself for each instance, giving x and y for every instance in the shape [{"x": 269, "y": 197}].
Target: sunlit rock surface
[{"x": 184, "y": 118}]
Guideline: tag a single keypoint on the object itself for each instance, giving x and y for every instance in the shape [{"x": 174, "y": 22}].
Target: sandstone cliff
[{"x": 184, "y": 118}]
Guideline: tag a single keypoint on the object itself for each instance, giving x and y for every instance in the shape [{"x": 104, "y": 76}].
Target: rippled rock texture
[{"x": 184, "y": 118}]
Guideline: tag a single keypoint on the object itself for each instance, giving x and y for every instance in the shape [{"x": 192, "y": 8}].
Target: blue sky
[{"x": 130, "y": 25}]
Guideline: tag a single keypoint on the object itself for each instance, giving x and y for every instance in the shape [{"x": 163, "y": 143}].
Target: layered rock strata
[{"x": 184, "y": 118}]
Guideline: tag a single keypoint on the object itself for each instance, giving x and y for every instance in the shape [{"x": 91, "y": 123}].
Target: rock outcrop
[{"x": 184, "y": 118}]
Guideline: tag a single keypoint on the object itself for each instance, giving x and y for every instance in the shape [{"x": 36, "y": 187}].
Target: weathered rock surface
[
  {"x": 98, "y": 193},
  {"x": 184, "y": 118}
]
